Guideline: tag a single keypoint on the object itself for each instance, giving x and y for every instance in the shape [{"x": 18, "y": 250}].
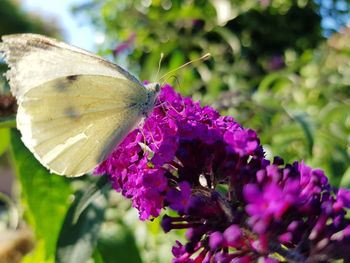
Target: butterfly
[{"x": 74, "y": 107}]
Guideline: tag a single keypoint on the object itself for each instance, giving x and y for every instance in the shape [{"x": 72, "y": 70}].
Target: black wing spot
[{"x": 72, "y": 78}]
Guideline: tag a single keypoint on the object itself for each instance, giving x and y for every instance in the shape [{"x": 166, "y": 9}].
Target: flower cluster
[{"x": 236, "y": 205}]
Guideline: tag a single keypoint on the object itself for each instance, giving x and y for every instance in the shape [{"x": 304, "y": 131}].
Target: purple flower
[
  {"x": 265, "y": 205},
  {"x": 181, "y": 137},
  {"x": 343, "y": 199},
  {"x": 236, "y": 205},
  {"x": 216, "y": 240},
  {"x": 233, "y": 235},
  {"x": 179, "y": 199},
  {"x": 275, "y": 62}
]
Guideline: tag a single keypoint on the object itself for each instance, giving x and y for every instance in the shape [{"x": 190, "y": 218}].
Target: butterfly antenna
[
  {"x": 202, "y": 58},
  {"x": 159, "y": 64},
  {"x": 173, "y": 76},
  {"x": 177, "y": 81}
]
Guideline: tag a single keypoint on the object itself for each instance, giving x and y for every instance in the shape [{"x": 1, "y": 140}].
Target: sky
[{"x": 75, "y": 31}]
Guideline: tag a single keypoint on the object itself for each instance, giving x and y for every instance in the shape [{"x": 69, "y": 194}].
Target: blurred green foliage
[
  {"x": 276, "y": 67},
  {"x": 14, "y": 20}
]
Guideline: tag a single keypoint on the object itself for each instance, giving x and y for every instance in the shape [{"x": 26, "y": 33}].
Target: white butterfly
[{"x": 73, "y": 107}]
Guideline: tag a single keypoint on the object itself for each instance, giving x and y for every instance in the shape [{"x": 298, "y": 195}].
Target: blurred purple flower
[
  {"x": 276, "y": 62},
  {"x": 125, "y": 45},
  {"x": 265, "y": 3},
  {"x": 236, "y": 205}
]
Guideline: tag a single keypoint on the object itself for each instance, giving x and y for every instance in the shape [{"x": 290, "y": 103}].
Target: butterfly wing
[
  {"x": 35, "y": 59},
  {"x": 72, "y": 123}
]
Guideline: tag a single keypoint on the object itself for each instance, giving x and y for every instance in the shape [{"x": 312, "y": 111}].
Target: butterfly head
[
  {"x": 153, "y": 90},
  {"x": 153, "y": 87}
]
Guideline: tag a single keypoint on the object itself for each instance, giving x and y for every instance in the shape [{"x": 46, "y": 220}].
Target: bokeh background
[{"x": 279, "y": 67}]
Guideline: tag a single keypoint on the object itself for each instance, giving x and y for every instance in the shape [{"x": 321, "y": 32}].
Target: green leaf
[
  {"x": 117, "y": 244},
  {"x": 77, "y": 241},
  {"x": 4, "y": 140},
  {"x": 45, "y": 197},
  {"x": 94, "y": 191},
  {"x": 97, "y": 257},
  {"x": 270, "y": 80},
  {"x": 307, "y": 129}
]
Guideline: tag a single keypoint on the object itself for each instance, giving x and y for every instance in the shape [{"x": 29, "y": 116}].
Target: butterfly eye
[{"x": 157, "y": 88}]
